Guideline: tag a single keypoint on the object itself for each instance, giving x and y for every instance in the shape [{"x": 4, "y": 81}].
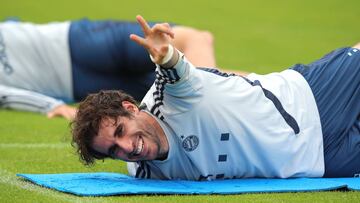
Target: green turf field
[{"x": 259, "y": 36}]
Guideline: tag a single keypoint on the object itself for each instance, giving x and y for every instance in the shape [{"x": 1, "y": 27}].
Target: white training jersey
[
  {"x": 223, "y": 126},
  {"x": 36, "y": 58}
]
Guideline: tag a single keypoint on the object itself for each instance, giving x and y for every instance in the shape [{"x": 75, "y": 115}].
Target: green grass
[{"x": 259, "y": 36}]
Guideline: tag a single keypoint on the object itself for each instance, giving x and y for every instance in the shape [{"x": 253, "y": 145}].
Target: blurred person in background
[{"x": 43, "y": 67}]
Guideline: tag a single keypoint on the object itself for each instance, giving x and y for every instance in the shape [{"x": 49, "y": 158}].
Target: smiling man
[
  {"x": 125, "y": 137},
  {"x": 201, "y": 124}
]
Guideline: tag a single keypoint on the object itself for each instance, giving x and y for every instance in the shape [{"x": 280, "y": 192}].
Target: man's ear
[{"x": 130, "y": 106}]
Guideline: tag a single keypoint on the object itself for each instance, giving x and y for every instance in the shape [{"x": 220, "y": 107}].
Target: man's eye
[{"x": 119, "y": 130}]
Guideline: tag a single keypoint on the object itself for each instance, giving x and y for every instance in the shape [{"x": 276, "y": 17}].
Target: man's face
[{"x": 137, "y": 138}]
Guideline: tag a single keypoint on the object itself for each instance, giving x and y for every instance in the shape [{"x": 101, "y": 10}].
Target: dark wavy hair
[{"x": 85, "y": 127}]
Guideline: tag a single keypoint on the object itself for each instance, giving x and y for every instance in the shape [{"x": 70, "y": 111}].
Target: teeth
[{"x": 139, "y": 147}]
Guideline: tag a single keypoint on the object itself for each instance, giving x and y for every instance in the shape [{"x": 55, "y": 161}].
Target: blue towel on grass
[{"x": 105, "y": 184}]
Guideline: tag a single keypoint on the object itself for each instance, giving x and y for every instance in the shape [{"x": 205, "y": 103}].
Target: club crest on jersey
[{"x": 190, "y": 143}]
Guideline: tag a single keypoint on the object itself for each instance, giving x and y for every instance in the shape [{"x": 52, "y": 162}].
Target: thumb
[{"x": 50, "y": 114}]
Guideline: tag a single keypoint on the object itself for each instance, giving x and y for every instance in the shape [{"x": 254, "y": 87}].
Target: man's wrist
[{"x": 170, "y": 59}]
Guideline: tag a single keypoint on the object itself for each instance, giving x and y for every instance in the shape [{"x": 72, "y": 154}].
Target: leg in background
[
  {"x": 357, "y": 46},
  {"x": 197, "y": 45}
]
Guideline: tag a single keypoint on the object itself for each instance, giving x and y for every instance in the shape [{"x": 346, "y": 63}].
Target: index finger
[{"x": 144, "y": 25}]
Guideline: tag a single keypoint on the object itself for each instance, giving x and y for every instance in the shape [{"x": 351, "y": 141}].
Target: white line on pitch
[
  {"x": 35, "y": 145},
  {"x": 9, "y": 178}
]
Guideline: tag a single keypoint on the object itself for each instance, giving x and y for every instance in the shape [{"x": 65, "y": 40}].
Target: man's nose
[{"x": 126, "y": 145}]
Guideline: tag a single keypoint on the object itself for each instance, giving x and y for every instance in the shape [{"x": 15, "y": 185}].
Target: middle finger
[{"x": 144, "y": 25}]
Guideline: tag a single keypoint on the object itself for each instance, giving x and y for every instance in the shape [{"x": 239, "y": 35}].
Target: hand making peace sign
[{"x": 156, "y": 39}]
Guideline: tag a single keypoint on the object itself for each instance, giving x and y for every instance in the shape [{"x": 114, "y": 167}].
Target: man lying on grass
[
  {"x": 201, "y": 124},
  {"x": 45, "y": 66}
]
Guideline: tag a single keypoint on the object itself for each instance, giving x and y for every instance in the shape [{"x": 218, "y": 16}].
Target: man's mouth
[{"x": 139, "y": 147}]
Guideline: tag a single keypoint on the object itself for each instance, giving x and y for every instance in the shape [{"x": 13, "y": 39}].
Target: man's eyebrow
[{"x": 111, "y": 150}]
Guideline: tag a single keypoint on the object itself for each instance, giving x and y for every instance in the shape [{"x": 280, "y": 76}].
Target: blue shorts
[
  {"x": 335, "y": 83},
  {"x": 103, "y": 57}
]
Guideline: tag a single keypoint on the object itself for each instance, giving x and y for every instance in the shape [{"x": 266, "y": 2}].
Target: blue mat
[{"x": 105, "y": 184}]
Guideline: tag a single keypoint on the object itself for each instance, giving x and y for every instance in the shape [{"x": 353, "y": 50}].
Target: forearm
[{"x": 19, "y": 99}]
